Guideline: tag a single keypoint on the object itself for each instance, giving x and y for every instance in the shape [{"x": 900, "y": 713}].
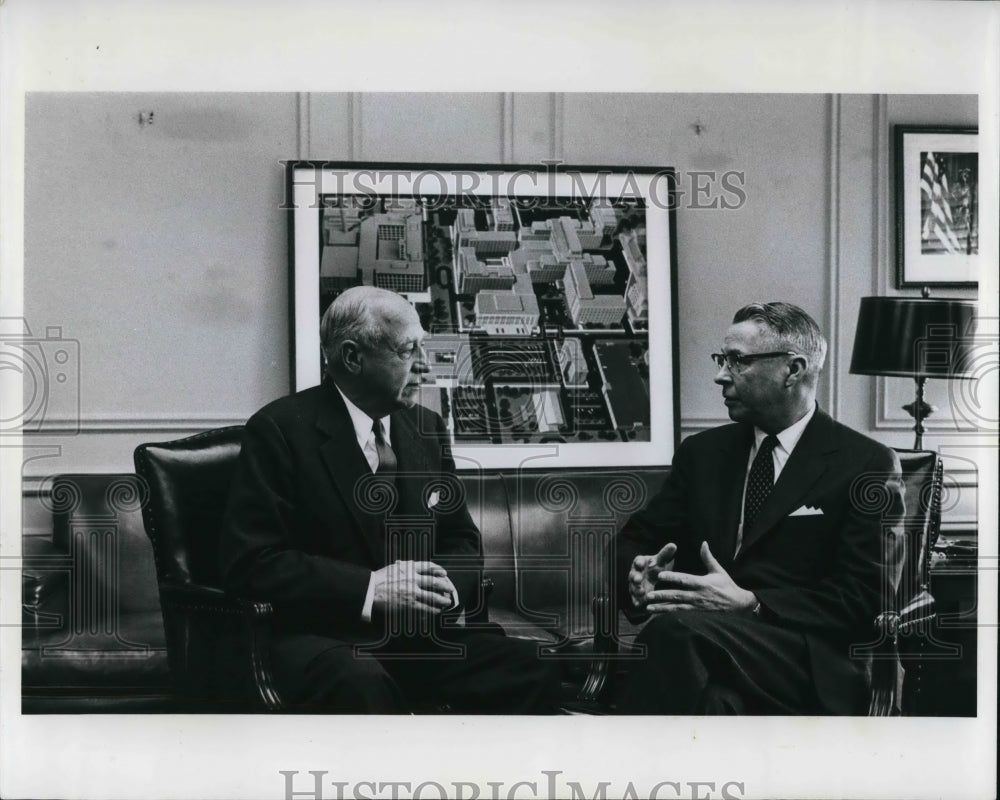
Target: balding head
[
  {"x": 364, "y": 315},
  {"x": 373, "y": 343}
]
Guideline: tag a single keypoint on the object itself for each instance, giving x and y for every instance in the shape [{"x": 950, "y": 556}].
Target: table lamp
[{"x": 917, "y": 338}]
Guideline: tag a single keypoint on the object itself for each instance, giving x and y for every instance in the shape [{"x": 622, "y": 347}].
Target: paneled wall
[{"x": 161, "y": 249}]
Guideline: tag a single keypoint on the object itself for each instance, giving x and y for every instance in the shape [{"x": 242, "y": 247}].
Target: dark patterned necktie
[
  {"x": 760, "y": 482},
  {"x": 386, "y": 458}
]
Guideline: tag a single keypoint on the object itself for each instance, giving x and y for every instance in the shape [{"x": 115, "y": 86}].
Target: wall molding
[
  {"x": 506, "y": 127},
  {"x": 354, "y": 124},
  {"x": 833, "y": 260},
  {"x": 691, "y": 425},
  {"x": 882, "y": 267},
  {"x": 98, "y": 423},
  {"x": 304, "y": 124},
  {"x": 557, "y": 124}
]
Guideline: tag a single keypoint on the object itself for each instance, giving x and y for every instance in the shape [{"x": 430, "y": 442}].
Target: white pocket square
[
  {"x": 806, "y": 511},
  {"x": 433, "y": 500}
]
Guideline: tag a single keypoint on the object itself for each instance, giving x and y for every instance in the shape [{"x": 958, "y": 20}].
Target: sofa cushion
[
  {"x": 561, "y": 524},
  {"x": 97, "y": 521},
  {"x": 486, "y": 498},
  {"x": 91, "y": 607},
  {"x": 130, "y": 657}
]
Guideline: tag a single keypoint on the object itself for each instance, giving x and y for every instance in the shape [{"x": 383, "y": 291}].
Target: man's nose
[
  {"x": 723, "y": 376},
  {"x": 420, "y": 363}
]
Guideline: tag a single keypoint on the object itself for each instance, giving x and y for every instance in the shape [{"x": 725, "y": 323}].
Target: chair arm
[
  {"x": 596, "y": 686},
  {"x": 920, "y": 610},
  {"x": 195, "y": 597},
  {"x": 218, "y": 645}
]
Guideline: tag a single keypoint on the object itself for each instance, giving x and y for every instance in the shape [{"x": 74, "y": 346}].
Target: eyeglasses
[{"x": 736, "y": 361}]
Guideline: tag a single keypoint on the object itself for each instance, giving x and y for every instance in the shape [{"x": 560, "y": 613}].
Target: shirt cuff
[{"x": 366, "y": 609}]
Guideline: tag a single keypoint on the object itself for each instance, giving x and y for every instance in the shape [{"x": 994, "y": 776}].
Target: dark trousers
[
  {"x": 466, "y": 671},
  {"x": 701, "y": 662}
]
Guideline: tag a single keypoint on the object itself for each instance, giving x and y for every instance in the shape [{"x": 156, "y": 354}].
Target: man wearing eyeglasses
[
  {"x": 765, "y": 555},
  {"x": 346, "y": 515}
]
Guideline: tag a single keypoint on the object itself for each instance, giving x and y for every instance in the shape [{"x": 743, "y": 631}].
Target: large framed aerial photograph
[
  {"x": 548, "y": 294},
  {"x": 937, "y": 206}
]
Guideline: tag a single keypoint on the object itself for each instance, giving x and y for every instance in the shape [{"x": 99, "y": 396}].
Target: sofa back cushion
[
  {"x": 97, "y": 523},
  {"x": 561, "y": 523}
]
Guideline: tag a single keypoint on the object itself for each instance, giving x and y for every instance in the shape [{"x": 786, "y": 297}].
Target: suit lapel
[
  {"x": 732, "y": 475},
  {"x": 803, "y": 470},
  {"x": 413, "y": 464},
  {"x": 347, "y": 467}
]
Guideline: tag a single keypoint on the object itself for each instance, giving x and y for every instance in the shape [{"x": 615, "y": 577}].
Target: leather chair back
[
  {"x": 922, "y": 481},
  {"x": 188, "y": 482}
]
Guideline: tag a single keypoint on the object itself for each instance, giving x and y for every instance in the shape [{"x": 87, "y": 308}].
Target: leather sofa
[{"x": 93, "y": 638}]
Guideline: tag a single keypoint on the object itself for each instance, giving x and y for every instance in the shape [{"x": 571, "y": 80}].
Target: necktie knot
[{"x": 768, "y": 445}]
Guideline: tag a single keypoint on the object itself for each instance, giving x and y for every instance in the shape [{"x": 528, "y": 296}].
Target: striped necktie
[{"x": 386, "y": 458}]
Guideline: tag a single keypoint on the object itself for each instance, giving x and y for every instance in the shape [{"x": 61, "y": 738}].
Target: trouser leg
[
  {"x": 327, "y": 675},
  {"x": 492, "y": 673},
  {"x": 712, "y": 663}
]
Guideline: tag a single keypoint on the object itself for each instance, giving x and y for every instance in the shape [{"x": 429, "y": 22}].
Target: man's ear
[
  {"x": 797, "y": 367},
  {"x": 350, "y": 357}
]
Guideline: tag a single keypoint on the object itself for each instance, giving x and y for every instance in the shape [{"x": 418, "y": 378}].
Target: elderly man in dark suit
[
  {"x": 764, "y": 557},
  {"x": 370, "y": 613}
]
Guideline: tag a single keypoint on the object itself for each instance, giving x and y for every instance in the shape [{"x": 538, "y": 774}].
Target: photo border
[{"x": 307, "y": 180}]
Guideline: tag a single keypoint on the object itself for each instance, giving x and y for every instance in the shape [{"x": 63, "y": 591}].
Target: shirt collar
[
  {"x": 361, "y": 421},
  {"x": 790, "y": 436}
]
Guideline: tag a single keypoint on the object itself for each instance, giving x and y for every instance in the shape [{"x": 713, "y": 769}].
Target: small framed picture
[{"x": 937, "y": 206}]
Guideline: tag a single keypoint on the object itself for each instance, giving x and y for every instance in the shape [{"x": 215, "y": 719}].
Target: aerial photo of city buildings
[{"x": 536, "y": 308}]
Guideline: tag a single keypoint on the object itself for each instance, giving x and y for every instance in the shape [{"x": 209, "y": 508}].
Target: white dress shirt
[
  {"x": 364, "y": 432},
  {"x": 363, "y": 425}
]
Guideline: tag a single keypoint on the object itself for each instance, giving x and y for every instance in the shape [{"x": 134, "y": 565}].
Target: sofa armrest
[
  {"x": 45, "y": 572},
  {"x": 218, "y": 645}
]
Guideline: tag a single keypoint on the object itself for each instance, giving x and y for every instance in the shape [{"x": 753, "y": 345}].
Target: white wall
[{"x": 161, "y": 248}]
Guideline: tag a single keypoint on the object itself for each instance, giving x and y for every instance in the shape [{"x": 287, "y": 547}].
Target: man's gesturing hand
[
  {"x": 412, "y": 585},
  {"x": 714, "y": 591},
  {"x": 644, "y": 572}
]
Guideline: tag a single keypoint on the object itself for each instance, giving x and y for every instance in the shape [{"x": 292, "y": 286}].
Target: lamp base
[
  {"x": 919, "y": 410},
  {"x": 924, "y": 408}
]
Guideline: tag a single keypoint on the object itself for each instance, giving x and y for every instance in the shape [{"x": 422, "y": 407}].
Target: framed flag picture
[{"x": 937, "y": 206}]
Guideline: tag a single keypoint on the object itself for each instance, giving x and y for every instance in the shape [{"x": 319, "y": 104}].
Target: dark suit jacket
[
  {"x": 307, "y": 522},
  {"x": 825, "y": 575}
]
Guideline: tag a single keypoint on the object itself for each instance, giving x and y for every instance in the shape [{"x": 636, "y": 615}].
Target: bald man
[{"x": 371, "y": 616}]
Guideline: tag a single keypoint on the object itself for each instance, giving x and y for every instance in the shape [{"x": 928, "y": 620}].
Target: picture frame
[
  {"x": 937, "y": 206},
  {"x": 548, "y": 293}
]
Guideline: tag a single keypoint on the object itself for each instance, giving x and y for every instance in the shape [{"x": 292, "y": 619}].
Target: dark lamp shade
[{"x": 914, "y": 337}]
